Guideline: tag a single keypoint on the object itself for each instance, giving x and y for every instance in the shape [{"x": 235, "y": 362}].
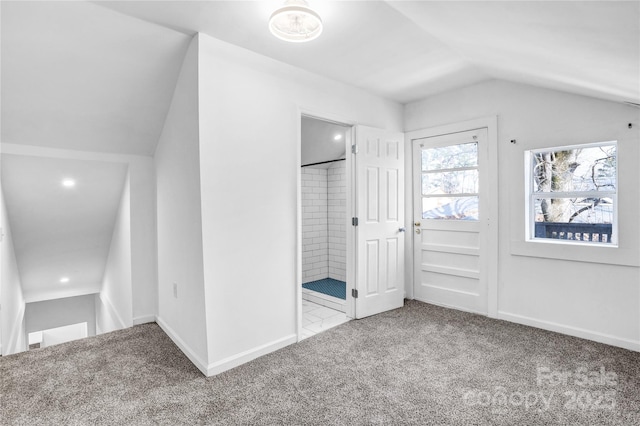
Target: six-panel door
[{"x": 380, "y": 211}]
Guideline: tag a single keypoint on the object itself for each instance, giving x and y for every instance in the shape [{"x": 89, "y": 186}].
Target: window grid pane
[
  {"x": 575, "y": 169},
  {"x": 574, "y": 194}
]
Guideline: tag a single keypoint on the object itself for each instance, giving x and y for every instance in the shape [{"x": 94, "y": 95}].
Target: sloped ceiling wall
[{"x": 79, "y": 76}]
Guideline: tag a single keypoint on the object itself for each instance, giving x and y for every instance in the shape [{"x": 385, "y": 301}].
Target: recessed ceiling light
[
  {"x": 68, "y": 183},
  {"x": 64, "y": 280},
  {"x": 337, "y": 137},
  {"x": 295, "y": 22}
]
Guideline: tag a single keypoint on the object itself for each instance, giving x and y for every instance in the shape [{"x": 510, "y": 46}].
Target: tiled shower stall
[{"x": 324, "y": 218}]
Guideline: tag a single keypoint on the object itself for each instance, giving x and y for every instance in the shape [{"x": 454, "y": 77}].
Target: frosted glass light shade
[{"x": 295, "y": 22}]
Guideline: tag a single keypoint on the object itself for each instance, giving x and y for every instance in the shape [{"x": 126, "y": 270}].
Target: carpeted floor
[{"x": 417, "y": 365}]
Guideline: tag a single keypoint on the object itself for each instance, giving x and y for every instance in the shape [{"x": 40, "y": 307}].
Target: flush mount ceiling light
[
  {"x": 64, "y": 280},
  {"x": 68, "y": 183},
  {"x": 337, "y": 137},
  {"x": 295, "y": 22}
]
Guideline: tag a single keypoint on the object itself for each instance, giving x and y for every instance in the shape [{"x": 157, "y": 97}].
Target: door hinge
[
  {"x": 354, "y": 293},
  {"x": 354, "y": 221},
  {"x": 354, "y": 149}
]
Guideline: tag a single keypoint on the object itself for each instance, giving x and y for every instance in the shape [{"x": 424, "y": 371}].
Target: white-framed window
[{"x": 572, "y": 194}]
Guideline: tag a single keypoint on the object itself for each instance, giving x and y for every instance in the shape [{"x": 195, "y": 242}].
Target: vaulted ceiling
[
  {"x": 79, "y": 76},
  {"x": 99, "y": 76}
]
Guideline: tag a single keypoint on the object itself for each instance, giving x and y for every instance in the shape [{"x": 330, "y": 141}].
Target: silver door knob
[{"x": 402, "y": 229}]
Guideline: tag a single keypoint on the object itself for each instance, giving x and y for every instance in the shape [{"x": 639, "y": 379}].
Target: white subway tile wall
[
  {"x": 336, "y": 220},
  {"x": 315, "y": 243},
  {"x": 323, "y": 223}
]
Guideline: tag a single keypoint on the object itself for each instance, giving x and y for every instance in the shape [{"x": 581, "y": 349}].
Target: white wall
[
  {"x": 68, "y": 333},
  {"x": 11, "y": 301},
  {"x": 250, "y": 120},
  {"x": 315, "y": 243},
  {"x": 336, "y": 222},
  {"x": 590, "y": 295},
  {"x": 179, "y": 220},
  {"x": 106, "y": 319},
  {"x": 143, "y": 220},
  {"x": 61, "y": 312},
  {"x": 113, "y": 303},
  {"x": 144, "y": 251}
]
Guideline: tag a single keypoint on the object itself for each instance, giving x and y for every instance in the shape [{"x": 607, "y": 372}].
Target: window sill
[
  {"x": 570, "y": 243},
  {"x": 576, "y": 252}
]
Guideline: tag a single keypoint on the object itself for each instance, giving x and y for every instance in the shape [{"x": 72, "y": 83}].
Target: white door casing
[
  {"x": 380, "y": 204},
  {"x": 450, "y": 255}
]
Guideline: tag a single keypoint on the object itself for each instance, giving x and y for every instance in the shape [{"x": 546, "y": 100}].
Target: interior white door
[
  {"x": 449, "y": 210},
  {"x": 379, "y": 169}
]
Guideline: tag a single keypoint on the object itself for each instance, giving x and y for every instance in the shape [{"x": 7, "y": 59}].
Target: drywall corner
[
  {"x": 12, "y": 300},
  {"x": 181, "y": 306}
]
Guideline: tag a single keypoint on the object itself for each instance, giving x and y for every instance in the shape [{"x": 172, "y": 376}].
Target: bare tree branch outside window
[{"x": 574, "y": 186}]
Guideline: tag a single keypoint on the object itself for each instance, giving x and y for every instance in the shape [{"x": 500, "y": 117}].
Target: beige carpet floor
[{"x": 418, "y": 365}]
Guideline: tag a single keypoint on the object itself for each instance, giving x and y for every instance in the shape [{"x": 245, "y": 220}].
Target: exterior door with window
[
  {"x": 380, "y": 212},
  {"x": 449, "y": 210}
]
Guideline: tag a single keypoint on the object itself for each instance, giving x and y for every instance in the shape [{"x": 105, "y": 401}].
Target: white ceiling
[
  {"x": 586, "y": 47},
  {"x": 407, "y": 50},
  {"x": 367, "y": 44},
  {"x": 57, "y": 231},
  {"x": 99, "y": 76},
  {"x": 79, "y": 76},
  {"x": 319, "y": 143}
]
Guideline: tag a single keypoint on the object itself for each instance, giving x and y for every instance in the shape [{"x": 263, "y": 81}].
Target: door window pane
[
  {"x": 452, "y": 208},
  {"x": 450, "y": 181},
  {"x": 456, "y": 182},
  {"x": 450, "y": 157}
]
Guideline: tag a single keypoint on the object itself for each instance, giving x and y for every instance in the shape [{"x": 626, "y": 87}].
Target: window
[
  {"x": 450, "y": 182},
  {"x": 572, "y": 195}
]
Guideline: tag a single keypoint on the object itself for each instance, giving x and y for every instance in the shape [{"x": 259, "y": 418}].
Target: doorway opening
[
  {"x": 448, "y": 211},
  {"x": 455, "y": 241},
  {"x": 324, "y": 204}
]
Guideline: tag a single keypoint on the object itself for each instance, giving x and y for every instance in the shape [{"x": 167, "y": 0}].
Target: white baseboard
[
  {"x": 571, "y": 331},
  {"x": 229, "y": 362},
  {"x": 144, "y": 319},
  {"x": 246, "y": 356},
  {"x": 195, "y": 359},
  {"x": 457, "y": 308}
]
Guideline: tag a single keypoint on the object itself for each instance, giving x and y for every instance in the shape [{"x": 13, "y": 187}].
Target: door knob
[
  {"x": 418, "y": 231},
  {"x": 417, "y": 224}
]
